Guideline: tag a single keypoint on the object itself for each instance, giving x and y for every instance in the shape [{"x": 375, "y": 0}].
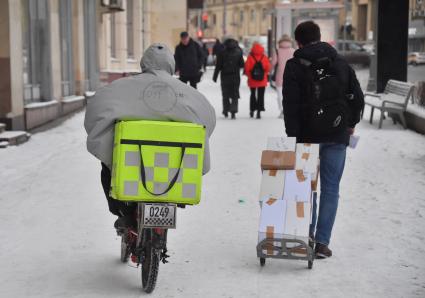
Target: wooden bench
[{"x": 394, "y": 100}]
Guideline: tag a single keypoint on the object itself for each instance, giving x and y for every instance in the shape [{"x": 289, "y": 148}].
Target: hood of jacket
[
  {"x": 315, "y": 51},
  {"x": 257, "y": 49},
  {"x": 231, "y": 44},
  {"x": 158, "y": 57},
  {"x": 285, "y": 45}
]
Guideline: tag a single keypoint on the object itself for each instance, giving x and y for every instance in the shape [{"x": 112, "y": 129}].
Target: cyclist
[{"x": 152, "y": 95}]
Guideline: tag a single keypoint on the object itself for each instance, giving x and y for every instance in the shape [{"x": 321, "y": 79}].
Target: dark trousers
[
  {"x": 230, "y": 105},
  {"x": 116, "y": 207},
  {"x": 192, "y": 81},
  {"x": 256, "y": 102}
]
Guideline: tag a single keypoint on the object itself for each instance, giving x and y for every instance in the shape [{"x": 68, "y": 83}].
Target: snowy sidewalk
[{"x": 57, "y": 238}]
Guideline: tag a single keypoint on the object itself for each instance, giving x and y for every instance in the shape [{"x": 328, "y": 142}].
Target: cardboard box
[
  {"x": 281, "y": 143},
  {"x": 277, "y": 160},
  {"x": 297, "y": 219},
  {"x": 272, "y": 221},
  {"x": 272, "y": 184},
  {"x": 297, "y": 186},
  {"x": 281, "y": 219},
  {"x": 307, "y": 157}
]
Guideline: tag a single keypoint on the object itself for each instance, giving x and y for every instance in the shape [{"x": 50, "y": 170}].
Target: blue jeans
[{"x": 332, "y": 162}]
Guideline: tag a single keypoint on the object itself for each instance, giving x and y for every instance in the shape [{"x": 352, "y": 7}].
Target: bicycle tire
[{"x": 150, "y": 265}]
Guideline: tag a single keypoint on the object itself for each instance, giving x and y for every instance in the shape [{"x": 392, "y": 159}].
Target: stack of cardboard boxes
[{"x": 288, "y": 185}]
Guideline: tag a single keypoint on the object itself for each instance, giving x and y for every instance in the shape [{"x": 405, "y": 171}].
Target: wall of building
[
  {"x": 167, "y": 20},
  {"x": 153, "y": 21},
  {"x": 244, "y": 18},
  {"x": 32, "y": 55}
]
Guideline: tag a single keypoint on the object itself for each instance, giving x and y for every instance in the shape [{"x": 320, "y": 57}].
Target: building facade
[
  {"x": 124, "y": 35},
  {"x": 363, "y": 17},
  {"x": 417, "y": 26},
  {"x": 56, "y": 52},
  {"x": 240, "y": 19},
  {"x": 44, "y": 52}
]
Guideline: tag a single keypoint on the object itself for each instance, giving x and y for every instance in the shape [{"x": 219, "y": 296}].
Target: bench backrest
[
  {"x": 403, "y": 89},
  {"x": 398, "y": 87}
]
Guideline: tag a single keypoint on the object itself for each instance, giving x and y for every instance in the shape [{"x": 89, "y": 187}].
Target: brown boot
[{"x": 322, "y": 251}]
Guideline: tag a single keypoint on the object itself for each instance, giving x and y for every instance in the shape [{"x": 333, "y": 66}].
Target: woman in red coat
[{"x": 257, "y": 78}]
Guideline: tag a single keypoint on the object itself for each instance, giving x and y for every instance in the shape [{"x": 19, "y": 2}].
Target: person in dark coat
[
  {"x": 297, "y": 94},
  {"x": 189, "y": 60},
  {"x": 206, "y": 53},
  {"x": 217, "y": 49},
  {"x": 229, "y": 63}
]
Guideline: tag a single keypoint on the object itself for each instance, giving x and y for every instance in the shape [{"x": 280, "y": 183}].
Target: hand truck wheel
[{"x": 310, "y": 264}]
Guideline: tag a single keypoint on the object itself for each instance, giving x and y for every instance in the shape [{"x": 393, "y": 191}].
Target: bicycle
[{"x": 147, "y": 244}]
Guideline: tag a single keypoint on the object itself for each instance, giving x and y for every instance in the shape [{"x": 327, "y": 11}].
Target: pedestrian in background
[
  {"x": 283, "y": 53},
  {"x": 229, "y": 63},
  {"x": 189, "y": 60},
  {"x": 206, "y": 53},
  {"x": 257, "y": 68},
  {"x": 217, "y": 49}
]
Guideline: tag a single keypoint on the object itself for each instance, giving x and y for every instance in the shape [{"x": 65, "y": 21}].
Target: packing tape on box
[
  {"x": 273, "y": 173},
  {"x": 269, "y": 236},
  {"x": 300, "y": 209},
  {"x": 316, "y": 179},
  {"x": 271, "y": 201},
  {"x": 300, "y": 175},
  {"x": 305, "y": 156},
  {"x": 307, "y": 144}
]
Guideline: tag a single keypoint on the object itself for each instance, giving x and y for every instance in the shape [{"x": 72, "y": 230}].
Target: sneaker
[
  {"x": 322, "y": 251},
  {"x": 233, "y": 116},
  {"x": 225, "y": 114},
  {"x": 251, "y": 114},
  {"x": 258, "y": 115},
  {"x": 124, "y": 222}
]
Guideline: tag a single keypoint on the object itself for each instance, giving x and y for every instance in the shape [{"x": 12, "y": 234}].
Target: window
[
  {"x": 113, "y": 36},
  {"x": 214, "y": 19},
  {"x": 252, "y": 15},
  {"x": 65, "y": 10},
  {"x": 130, "y": 29},
  {"x": 241, "y": 16},
  {"x": 264, "y": 13},
  {"x": 36, "y": 51}
]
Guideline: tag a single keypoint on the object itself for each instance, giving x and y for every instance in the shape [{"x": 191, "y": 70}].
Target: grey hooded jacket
[{"x": 152, "y": 95}]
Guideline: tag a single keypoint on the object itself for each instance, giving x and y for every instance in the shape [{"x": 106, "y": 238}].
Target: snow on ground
[{"x": 57, "y": 238}]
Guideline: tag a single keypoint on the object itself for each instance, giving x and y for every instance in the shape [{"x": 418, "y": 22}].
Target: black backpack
[
  {"x": 257, "y": 72},
  {"x": 326, "y": 111}
]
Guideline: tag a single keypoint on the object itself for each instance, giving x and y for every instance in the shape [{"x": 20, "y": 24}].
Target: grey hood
[
  {"x": 152, "y": 95},
  {"x": 158, "y": 57}
]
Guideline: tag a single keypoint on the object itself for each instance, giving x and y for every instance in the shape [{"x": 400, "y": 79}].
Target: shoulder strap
[{"x": 305, "y": 62}]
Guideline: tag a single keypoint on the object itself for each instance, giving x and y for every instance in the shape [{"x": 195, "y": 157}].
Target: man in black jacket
[
  {"x": 229, "y": 63},
  {"x": 189, "y": 60},
  {"x": 299, "y": 92}
]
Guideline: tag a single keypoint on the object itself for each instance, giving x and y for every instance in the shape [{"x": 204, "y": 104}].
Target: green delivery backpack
[{"x": 155, "y": 161}]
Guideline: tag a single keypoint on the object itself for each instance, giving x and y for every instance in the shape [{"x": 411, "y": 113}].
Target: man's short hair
[
  {"x": 307, "y": 32},
  {"x": 184, "y": 34}
]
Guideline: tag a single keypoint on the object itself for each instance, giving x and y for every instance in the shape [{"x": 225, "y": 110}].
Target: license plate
[{"x": 159, "y": 215}]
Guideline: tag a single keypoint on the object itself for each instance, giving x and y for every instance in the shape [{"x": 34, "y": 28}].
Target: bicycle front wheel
[{"x": 125, "y": 247}]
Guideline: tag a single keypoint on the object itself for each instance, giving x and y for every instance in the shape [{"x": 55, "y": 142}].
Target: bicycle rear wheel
[{"x": 150, "y": 263}]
